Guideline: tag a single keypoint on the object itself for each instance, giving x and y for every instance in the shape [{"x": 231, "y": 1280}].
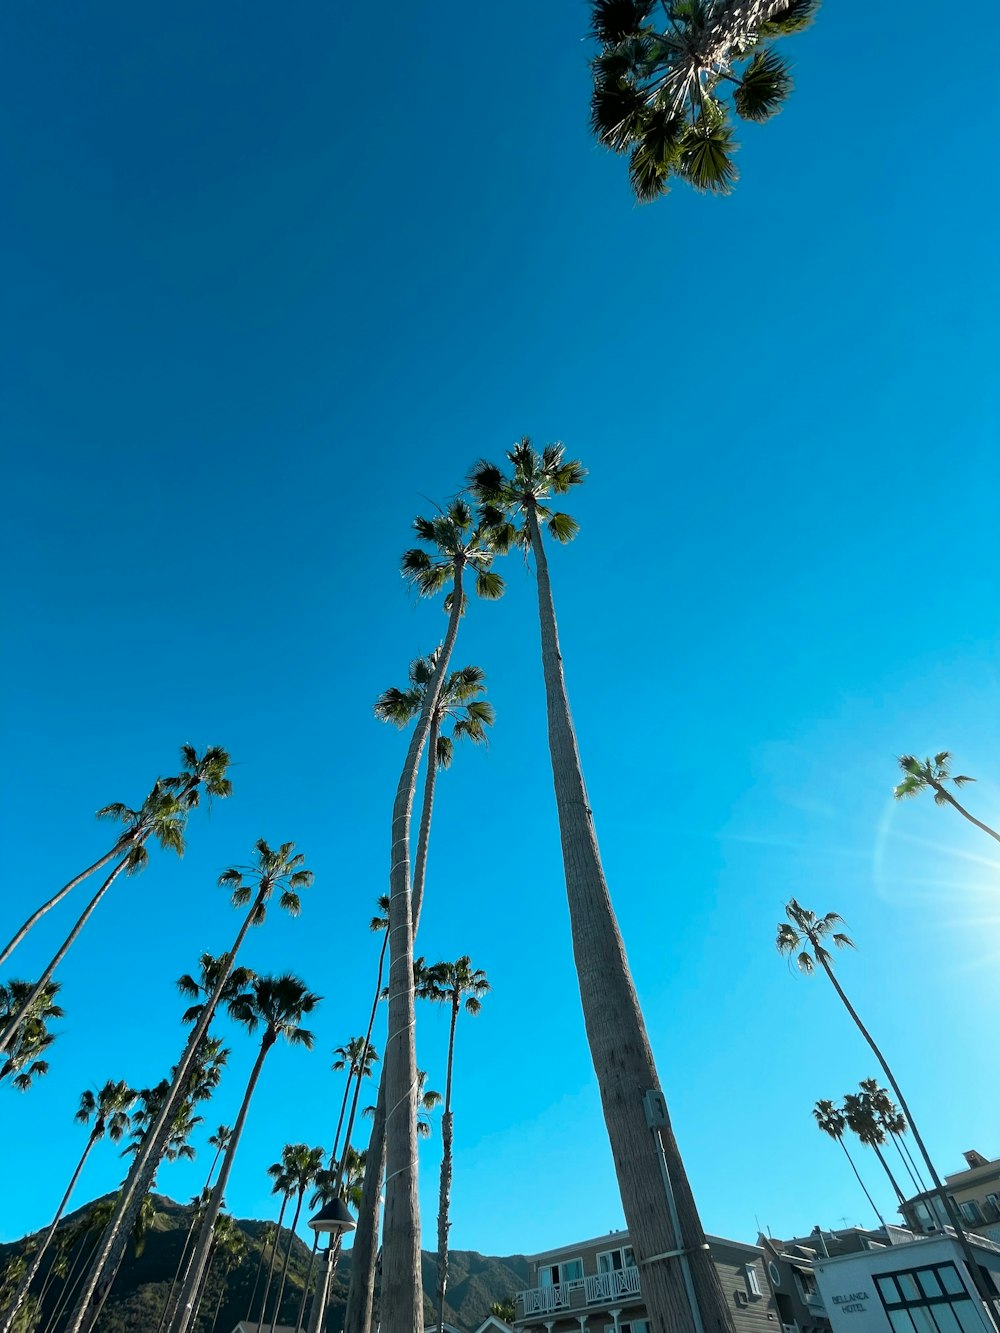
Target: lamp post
[{"x": 333, "y": 1218}]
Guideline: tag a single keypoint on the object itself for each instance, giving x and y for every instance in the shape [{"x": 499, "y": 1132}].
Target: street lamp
[{"x": 334, "y": 1218}]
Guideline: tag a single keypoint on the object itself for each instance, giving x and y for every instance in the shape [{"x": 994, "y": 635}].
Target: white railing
[{"x": 578, "y": 1293}]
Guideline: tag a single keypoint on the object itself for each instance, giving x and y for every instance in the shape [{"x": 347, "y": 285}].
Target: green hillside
[{"x": 475, "y": 1280}]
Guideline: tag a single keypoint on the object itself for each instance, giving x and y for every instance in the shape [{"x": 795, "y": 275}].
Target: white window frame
[{"x": 753, "y": 1279}]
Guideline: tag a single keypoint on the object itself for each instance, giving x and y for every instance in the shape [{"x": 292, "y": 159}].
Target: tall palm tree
[
  {"x": 931, "y": 775},
  {"x": 458, "y": 985},
  {"x": 272, "y": 872},
  {"x": 109, "y": 1110},
  {"x": 514, "y": 506},
  {"x": 805, "y": 936},
  {"x": 661, "y": 76},
  {"x": 230, "y": 1245},
  {"x": 457, "y": 544},
  {"x": 862, "y": 1121},
  {"x": 85, "y": 1234},
  {"x": 359, "y": 1057},
  {"x": 470, "y": 715},
  {"x": 304, "y": 1165},
  {"x": 281, "y": 1176},
  {"x": 458, "y": 702},
  {"x": 206, "y": 771},
  {"x": 165, "y": 816},
  {"x": 268, "y": 1238},
  {"x": 830, "y": 1120},
  {"x": 892, "y": 1120},
  {"x": 218, "y": 1141},
  {"x": 278, "y": 1004},
  {"x": 32, "y": 1037}
]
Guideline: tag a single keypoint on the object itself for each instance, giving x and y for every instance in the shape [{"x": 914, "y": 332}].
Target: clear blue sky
[{"x": 271, "y": 283}]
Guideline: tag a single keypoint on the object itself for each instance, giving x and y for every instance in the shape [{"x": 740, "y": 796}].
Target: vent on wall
[{"x": 741, "y": 1298}]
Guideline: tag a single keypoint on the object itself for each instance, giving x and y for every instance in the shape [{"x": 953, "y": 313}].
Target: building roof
[{"x": 613, "y": 1240}]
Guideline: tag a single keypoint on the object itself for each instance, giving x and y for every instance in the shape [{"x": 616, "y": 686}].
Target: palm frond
[
  {"x": 612, "y": 21},
  {"x": 763, "y": 87},
  {"x": 704, "y": 159},
  {"x": 489, "y": 585},
  {"x": 562, "y": 527},
  {"x": 794, "y": 16}
]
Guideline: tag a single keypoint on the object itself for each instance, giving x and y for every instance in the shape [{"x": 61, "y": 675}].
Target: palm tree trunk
[
  {"x": 186, "y": 1304},
  {"x": 364, "y": 1251},
  {"x": 921, "y": 1187},
  {"x": 340, "y": 1118},
  {"x": 165, "y": 1312},
  {"x": 950, "y": 1210},
  {"x": 10, "y": 1032},
  {"x": 892, "y": 1179},
  {"x": 961, "y": 810},
  {"x": 907, "y": 1166},
  {"x": 305, "y": 1285},
  {"x": 402, "y": 1290},
  {"x": 860, "y": 1181},
  {"x": 364, "y": 1060},
  {"x": 619, "y": 1046},
  {"x": 108, "y": 1253},
  {"x": 57, "y": 898},
  {"x": 73, "y": 1280},
  {"x": 218, "y": 1303},
  {"x": 270, "y": 1265},
  {"x": 444, "y": 1192},
  {"x": 25, "y": 1284},
  {"x": 288, "y": 1255},
  {"x": 426, "y": 810}
]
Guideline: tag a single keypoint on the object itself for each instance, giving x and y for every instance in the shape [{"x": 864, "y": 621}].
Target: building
[
  {"x": 917, "y": 1285},
  {"x": 976, "y": 1192},
  {"x": 791, "y": 1272},
  {"x": 593, "y": 1286}
]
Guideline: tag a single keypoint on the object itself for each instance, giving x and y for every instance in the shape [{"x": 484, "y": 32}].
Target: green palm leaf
[{"x": 765, "y": 84}]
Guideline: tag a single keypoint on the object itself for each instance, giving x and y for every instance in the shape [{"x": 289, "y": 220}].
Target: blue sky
[{"x": 271, "y": 285}]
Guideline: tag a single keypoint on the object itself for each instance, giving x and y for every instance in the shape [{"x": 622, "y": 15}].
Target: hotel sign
[{"x": 853, "y": 1302}]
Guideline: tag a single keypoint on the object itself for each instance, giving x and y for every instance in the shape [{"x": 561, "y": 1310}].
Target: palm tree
[
  {"x": 218, "y": 1141},
  {"x": 459, "y": 701},
  {"x": 279, "y": 1004},
  {"x": 458, "y": 544},
  {"x": 359, "y": 1057},
  {"x": 304, "y": 1165},
  {"x": 273, "y": 871},
  {"x": 513, "y": 507},
  {"x": 862, "y": 1121},
  {"x": 83, "y": 1237},
  {"x": 231, "y": 1244},
  {"x": 281, "y": 1177},
  {"x": 109, "y": 1110},
  {"x": 805, "y": 935},
  {"x": 931, "y": 775},
  {"x": 830, "y": 1119},
  {"x": 32, "y": 1037},
  {"x": 451, "y": 984},
  {"x": 344, "y": 1182},
  {"x": 207, "y": 770},
  {"x": 471, "y": 715},
  {"x": 892, "y": 1120},
  {"x": 659, "y": 82},
  {"x": 164, "y": 816},
  {"x": 268, "y": 1238}
]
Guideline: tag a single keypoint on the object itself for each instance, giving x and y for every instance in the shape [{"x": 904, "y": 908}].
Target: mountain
[{"x": 141, "y": 1288}]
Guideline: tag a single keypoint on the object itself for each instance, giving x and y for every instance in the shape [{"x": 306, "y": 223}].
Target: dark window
[{"x": 928, "y": 1300}]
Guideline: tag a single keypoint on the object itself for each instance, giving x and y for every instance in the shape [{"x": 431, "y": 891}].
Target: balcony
[{"x": 579, "y": 1293}]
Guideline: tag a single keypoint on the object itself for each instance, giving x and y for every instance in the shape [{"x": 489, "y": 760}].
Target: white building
[{"x": 919, "y": 1285}]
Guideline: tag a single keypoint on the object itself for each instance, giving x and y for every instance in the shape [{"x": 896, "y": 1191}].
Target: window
[
  {"x": 774, "y": 1274},
  {"x": 928, "y": 1300},
  {"x": 753, "y": 1281},
  {"x": 613, "y": 1261},
  {"x": 629, "y": 1326},
  {"x": 972, "y": 1212},
  {"x": 993, "y": 1206}
]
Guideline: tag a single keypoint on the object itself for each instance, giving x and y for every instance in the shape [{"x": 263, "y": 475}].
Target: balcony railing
[{"x": 578, "y": 1293}]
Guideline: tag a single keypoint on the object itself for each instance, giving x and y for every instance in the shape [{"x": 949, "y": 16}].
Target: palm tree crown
[
  {"x": 660, "y": 77},
  {"x": 457, "y": 542},
  {"x": 459, "y": 701},
  {"x": 508, "y": 502},
  {"x": 31, "y": 1037},
  {"x": 928, "y": 775},
  {"x": 280, "y": 870},
  {"x": 804, "y": 930}
]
